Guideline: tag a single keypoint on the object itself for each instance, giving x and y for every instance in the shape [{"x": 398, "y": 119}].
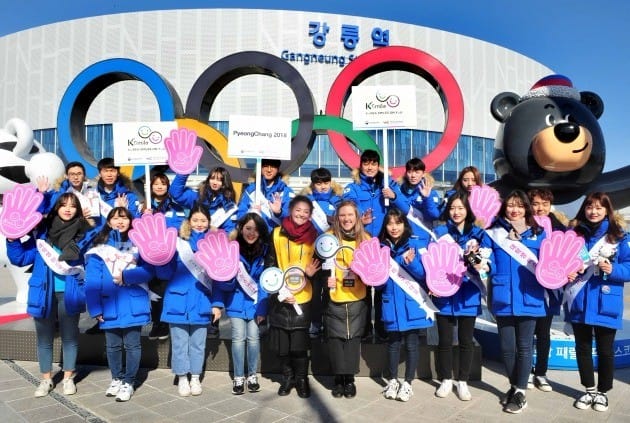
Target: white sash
[
  {"x": 572, "y": 290},
  {"x": 473, "y": 277},
  {"x": 51, "y": 258},
  {"x": 89, "y": 201},
  {"x": 319, "y": 217},
  {"x": 116, "y": 261},
  {"x": 221, "y": 215},
  {"x": 105, "y": 208},
  {"x": 415, "y": 216},
  {"x": 187, "y": 257},
  {"x": 519, "y": 252},
  {"x": 264, "y": 208},
  {"x": 247, "y": 283},
  {"x": 412, "y": 288}
]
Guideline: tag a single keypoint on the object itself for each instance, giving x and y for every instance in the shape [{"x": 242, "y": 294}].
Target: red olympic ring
[{"x": 406, "y": 59}]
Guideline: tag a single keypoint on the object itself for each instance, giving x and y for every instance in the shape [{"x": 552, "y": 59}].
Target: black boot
[
  {"x": 349, "y": 388},
  {"x": 300, "y": 364},
  {"x": 288, "y": 378},
  {"x": 337, "y": 390}
]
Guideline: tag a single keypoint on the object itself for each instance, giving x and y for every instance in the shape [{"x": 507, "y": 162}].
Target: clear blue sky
[{"x": 586, "y": 40}]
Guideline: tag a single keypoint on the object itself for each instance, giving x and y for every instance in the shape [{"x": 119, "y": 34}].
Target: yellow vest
[
  {"x": 341, "y": 293},
  {"x": 289, "y": 254}
]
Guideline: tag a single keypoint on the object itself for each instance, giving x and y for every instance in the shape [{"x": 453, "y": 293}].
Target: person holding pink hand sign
[
  {"x": 187, "y": 304},
  {"x": 461, "y": 308},
  {"x": 216, "y": 192},
  {"x": 516, "y": 297},
  {"x": 594, "y": 299},
  {"x": 402, "y": 315},
  {"x": 56, "y": 288},
  {"x": 244, "y": 300}
]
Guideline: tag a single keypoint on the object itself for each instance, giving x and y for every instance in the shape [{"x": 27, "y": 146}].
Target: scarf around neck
[
  {"x": 304, "y": 234},
  {"x": 63, "y": 235}
]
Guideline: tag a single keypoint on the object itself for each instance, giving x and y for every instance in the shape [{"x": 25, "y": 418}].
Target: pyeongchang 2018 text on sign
[
  {"x": 385, "y": 106},
  {"x": 259, "y": 137},
  {"x": 141, "y": 143}
]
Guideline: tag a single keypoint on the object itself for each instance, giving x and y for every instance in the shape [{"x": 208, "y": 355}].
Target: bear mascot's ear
[
  {"x": 593, "y": 102},
  {"x": 502, "y": 105}
]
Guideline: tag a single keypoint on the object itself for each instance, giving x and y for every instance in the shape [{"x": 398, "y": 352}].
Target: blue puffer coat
[
  {"x": 514, "y": 290},
  {"x": 120, "y": 306},
  {"x": 188, "y": 197},
  {"x": 174, "y": 213},
  {"x": 41, "y": 285},
  {"x": 186, "y": 300},
  {"x": 428, "y": 207},
  {"x": 278, "y": 186},
  {"x": 400, "y": 311},
  {"x": 367, "y": 194},
  {"x": 237, "y": 303},
  {"x": 467, "y": 300},
  {"x": 600, "y": 302}
]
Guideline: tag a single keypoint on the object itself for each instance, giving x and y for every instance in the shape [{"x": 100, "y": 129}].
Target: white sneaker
[
  {"x": 462, "y": 391},
  {"x": 44, "y": 388},
  {"x": 69, "y": 388},
  {"x": 391, "y": 390},
  {"x": 542, "y": 383},
  {"x": 405, "y": 392},
  {"x": 195, "y": 386},
  {"x": 114, "y": 387},
  {"x": 600, "y": 402},
  {"x": 445, "y": 388},
  {"x": 183, "y": 388},
  {"x": 530, "y": 381},
  {"x": 125, "y": 392}
]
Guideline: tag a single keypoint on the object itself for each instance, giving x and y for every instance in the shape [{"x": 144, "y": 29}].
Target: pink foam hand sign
[
  {"x": 444, "y": 268},
  {"x": 371, "y": 262},
  {"x": 19, "y": 214},
  {"x": 156, "y": 243},
  {"x": 183, "y": 151},
  {"x": 559, "y": 256},
  {"x": 485, "y": 203},
  {"x": 545, "y": 222},
  {"x": 218, "y": 256}
]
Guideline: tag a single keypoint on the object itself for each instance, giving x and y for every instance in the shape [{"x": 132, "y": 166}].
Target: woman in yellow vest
[
  {"x": 346, "y": 314},
  {"x": 289, "y": 310}
]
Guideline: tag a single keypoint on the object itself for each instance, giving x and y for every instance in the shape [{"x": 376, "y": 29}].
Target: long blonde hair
[{"x": 359, "y": 231}]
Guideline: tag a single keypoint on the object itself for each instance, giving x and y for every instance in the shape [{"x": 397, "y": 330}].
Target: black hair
[
  {"x": 75, "y": 164},
  {"x": 398, "y": 216},
  {"x": 370, "y": 156},
  {"x": 257, "y": 248},
  {"x": 470, "y": 218},
  {"x": 103, "y": 235},
  {"x": 300, "y": 199},
  {"x": 320, "y": 174},
  {"x": 415, "y": 164},
  {"x": 106, "y": 163}
]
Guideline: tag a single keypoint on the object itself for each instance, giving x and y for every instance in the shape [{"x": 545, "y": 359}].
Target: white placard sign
[
  {"x": 259, "y": 137},
  {"x": 141, "y": 143},
  {"x": 384, "y": 106}
]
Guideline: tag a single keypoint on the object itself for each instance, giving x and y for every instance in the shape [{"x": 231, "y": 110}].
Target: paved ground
[{"x": 156, "y": 400}]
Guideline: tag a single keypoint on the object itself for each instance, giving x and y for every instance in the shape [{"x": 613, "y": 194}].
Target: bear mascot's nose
[{"x": 566, "y": 132}]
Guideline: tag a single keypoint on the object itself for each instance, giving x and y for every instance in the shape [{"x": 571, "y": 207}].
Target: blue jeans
[
  {"x": 188, "y": 345},
  {"x": 515, "y": 335},
  {"x": 45, "y": 330},
  {"x": 394, "y": 341},
  {"x": 115, "y": 339},
  {"x": 244, "y": 329}
]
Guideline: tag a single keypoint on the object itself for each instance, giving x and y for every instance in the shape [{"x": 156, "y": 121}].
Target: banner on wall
[
  {"x": 384, "y": 106},
  {"x": 259, "y": 137},
  {"x": 141, "y": 143}
]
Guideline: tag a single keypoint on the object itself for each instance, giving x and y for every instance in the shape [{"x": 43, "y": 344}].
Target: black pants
[
  {"x": 604, "y": 339},
  {"x": 543, "y": 343},
  {"x": 159, "y": 287},
  {"x": 465, "y": 331},
  {"x": 394, "y": 341}
]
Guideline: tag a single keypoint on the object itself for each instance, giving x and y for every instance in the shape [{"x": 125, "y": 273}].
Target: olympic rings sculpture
[{"x": 86, "y": 86}]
